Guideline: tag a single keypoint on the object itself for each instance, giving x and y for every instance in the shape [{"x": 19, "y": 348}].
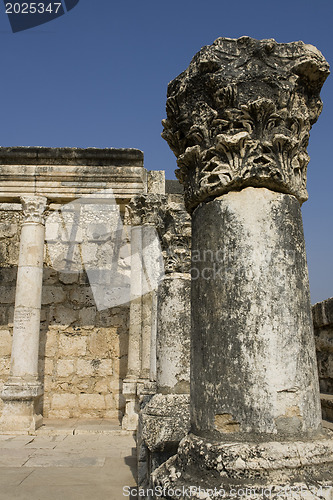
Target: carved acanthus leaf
[
  {"x": 33, "y": 209},
  {"x": 241, "y": 114}
]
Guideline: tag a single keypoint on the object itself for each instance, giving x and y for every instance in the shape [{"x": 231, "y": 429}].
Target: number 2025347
[{"x": 33, "y": 8}]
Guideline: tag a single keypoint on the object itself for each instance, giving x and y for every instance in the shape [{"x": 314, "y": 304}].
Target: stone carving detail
[
  {"x": 175, "y": 236},
  {"x": 33, "y": 208},
  {"x": 144, "y": 209},
  {"x": 241, "y": 114},
  {"x": 173, "y": 225}
]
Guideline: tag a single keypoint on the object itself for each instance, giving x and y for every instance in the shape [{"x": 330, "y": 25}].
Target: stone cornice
[
  {"x": 64, "y": 174},
  {"x": 33, "y": 155}
]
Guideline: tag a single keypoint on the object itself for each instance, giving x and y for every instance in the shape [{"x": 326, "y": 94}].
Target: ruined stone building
[
  {"x": 212, "y": 360},
  {"x": 88, "y": 342}
]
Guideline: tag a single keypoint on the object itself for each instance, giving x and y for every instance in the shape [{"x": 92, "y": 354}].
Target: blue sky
[{"x": 98, "y": 75}]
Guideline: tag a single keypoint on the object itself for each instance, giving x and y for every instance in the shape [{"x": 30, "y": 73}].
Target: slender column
[
  {"x": 238, "y": 119},
  {"x": 164, "y": 418},
  {"x": 152, "y": 372},
  {"x": 22, "y": 392},
  {"x": 141, "y": 216},
  {"x": 130, "y": 418},
  {"x": 146, "y": 335}
]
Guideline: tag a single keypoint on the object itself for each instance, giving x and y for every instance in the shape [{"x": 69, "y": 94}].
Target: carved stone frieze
[
  {"x": 240, "y": 115},
  {"x": 33, "y": 208}
]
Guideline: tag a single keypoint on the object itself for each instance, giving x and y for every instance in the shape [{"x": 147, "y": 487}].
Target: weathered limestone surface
[
  {"x": 238, "y": 120},
  {"x": 323, "y": 328},
  {"x": 257, "y": 331},
  {"x": 173, "y": 335}
]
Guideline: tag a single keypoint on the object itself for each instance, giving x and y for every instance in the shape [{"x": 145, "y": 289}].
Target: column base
[
  {"x": 257, "y": 469},
  {"x": 130, "y": 418},
  {"x": 20, "y": 411},
  {"x": 163, "y": 422}
]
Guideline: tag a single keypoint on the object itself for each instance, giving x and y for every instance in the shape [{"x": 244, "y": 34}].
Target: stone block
[
  {"x": 105, "y": 368},
  {"x": 113, "y": 414},
  {"x": 3, "y": 251},
  {"x": 68, "y": 278},
  {"x": 92, "y": 401},
  {"x": 11, "y": 316},
  {"x": 65, "y": 367},
  {"x": 5, "y": 343},
  {"x": 8, "y": 230},
  {"x": 52, "y": 230},
  {"x": 12, "y": 253},
  {"x": 98, "y": 231},
  {"x": 60, "y": 413},
  {"x": 98, "y": 343},
  {"x": 51, "y": 343},
  {"x": 48, "y": 367},
  {"x": 101, "y": 387},
  {"x": 53, "y": 294},
  {"x": 84, "y": 368},
  {"x": 3, "y": 315},
  {"x": 4, "y": 366},
  {"x": 64, "y": 401},
  {"x": 82, "y": 296},
  {"x": 50, "y": 276},
  {"x": 48, "y": 384},
  {"x": 72, "y": 345},
  {"x": 87, "y": 317},
  {"x": 8, "y": 275},
  {"x": 156, "y": 181},
  {"x": 89, "y": 253},
  {"x": 71, "y": 233},
  {"x": 63, "y": 315},
  {"x": 7, "y": 295}
]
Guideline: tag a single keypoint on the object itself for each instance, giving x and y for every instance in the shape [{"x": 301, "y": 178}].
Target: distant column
[
  {"x": 130, "y": 418},
  {"x": 23, "y": 390},
  {"x": 141, "y": 218}
]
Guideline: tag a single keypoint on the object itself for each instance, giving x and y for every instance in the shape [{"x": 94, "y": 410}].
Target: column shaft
[
  {"x": 23, "y": 390},
  {"x": 251, "y": 314}
]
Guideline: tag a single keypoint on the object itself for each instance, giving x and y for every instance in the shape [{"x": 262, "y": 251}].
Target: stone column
[
  {"x": 141, "y": 218},
  {"x": 153, "y": 368},
  {"x": 164, "y": 419},
  {"x": 130, "y": 418},
  {"x": 23, "y": 390},
  {"x": 238, "y": 119}
]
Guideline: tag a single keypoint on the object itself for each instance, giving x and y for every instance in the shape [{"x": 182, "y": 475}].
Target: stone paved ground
[{"x": 68, "y": 460}]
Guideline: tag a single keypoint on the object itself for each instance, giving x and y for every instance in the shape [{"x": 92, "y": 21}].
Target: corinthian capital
[
  {"x": 33, "y": 208},
  {"x": 240, "y": 115}
]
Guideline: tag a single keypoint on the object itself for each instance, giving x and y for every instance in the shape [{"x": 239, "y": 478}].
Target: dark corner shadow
[{"x": 131, "y": 462}]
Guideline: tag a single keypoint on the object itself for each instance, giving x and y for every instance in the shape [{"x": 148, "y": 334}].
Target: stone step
[
  {"x": 55, "y": 427},
  {"x": 327, "y": 406}
]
